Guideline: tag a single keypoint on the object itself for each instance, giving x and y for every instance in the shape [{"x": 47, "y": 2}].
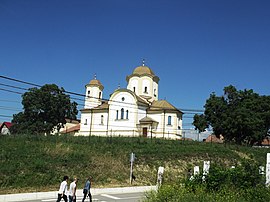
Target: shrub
[{"x": 243, "y": 183}]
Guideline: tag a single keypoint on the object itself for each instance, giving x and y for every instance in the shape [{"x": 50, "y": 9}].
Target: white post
[
  {"x": 267, "y": 170},
  {"x": 159, "y": 176},
  {"x": 196, "y": 170},
  {"x": 132, "y": 158},
  {"x": 206, "y": 166}
]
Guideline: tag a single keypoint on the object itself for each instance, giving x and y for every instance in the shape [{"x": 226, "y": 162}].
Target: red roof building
[
  {"x": 4, "y": 128},
  {"x": 214, "y": 138}
]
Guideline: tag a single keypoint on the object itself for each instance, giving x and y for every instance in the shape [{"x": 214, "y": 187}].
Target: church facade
[{"x": 132, "y": 111}]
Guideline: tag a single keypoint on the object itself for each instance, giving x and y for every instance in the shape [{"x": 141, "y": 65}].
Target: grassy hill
[{"x": 38, "y": 163}]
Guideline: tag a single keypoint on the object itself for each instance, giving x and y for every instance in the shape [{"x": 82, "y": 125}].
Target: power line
[
  {"x": 9, "y": 108},
  {"x": 71, "y": 98},
  {"x": 84, "y": 105},
  {"x": 11, "y": 91},
  {"x": 78, "y": 94},
  {"x": 191, "y": 111},
  {"x": 9, "y": 101},
  {"x": 6, "y": 116},
  {"x": 11, "y": 86},
  {"x": 20, "y": 81}
]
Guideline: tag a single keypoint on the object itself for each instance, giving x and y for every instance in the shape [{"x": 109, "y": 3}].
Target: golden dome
[
  {"x": 95, "y": 82},
  {"x": 143, "y": 70}
]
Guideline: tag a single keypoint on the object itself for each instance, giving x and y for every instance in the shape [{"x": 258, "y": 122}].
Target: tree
[
  {"x": 240, "y": 116},
  {"x": 45, "y": 109},
  {"x": 200, "y": 122}
]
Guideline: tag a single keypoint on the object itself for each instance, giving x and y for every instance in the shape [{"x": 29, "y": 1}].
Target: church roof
[
  {"x": 147, "y": 120},
  {"x": 139, "y": 99},
  {"x": 163, "y": 105},
  {"x": 103, "y": 106}
]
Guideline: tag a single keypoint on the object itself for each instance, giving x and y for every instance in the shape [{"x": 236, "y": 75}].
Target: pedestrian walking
[
  {"x": 63, "y": 190},
  {"x": 72, "y": 190},
  {"x": 86, "y": 189}
]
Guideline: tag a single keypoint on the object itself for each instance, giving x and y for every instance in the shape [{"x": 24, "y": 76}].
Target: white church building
[{"x": 132, "y": 111}]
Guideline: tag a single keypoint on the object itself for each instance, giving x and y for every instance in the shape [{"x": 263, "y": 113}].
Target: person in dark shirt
[{"x": 86, "y": 189}]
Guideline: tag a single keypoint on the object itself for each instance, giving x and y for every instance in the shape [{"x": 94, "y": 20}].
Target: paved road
[
  {"x": 123, "y": 197},
  {"x": 120, "y": 194}
]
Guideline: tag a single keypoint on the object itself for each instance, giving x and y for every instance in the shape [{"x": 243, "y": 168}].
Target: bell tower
[{"x": 93, "y": 93}]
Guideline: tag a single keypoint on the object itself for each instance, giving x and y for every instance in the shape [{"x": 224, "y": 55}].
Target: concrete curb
[{"x": 94, "y": 191}]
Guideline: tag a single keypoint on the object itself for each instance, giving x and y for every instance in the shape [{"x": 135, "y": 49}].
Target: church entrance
[{"x": 145, "y": 132}]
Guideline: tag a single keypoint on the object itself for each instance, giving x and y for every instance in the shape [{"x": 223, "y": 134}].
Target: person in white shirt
[
  {"x": 62, "y": 190},
  {"x": 72, "y": 190}
]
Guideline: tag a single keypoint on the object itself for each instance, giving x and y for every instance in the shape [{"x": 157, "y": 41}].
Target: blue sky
[{"x": 196, "y": 47}]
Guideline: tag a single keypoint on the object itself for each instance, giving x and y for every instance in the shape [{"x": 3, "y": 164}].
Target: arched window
[
  {"x": 127, "y": 114},
  {"x": 85, "y": 123},
  {"x": 88, "y": 92},
  {"x": 99, "y": 96},
  {"x": 116, "y": 114},
  {"x": 101, "y": 120},
  {"x": 169, "y": 120},
  {"x": 145, "y": 89},
  {"x": 122, "y": 113},
  {"x": 155, "y": 93},
  {"x": 134, "y": 89}
]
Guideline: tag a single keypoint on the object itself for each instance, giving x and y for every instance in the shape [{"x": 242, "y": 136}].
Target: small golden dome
[{"x": 95, "y": 82}]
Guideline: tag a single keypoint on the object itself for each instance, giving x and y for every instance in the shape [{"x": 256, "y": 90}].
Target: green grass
[
  {"x": 38, "y": 163},
  {"x": 181, "y": 194}
]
